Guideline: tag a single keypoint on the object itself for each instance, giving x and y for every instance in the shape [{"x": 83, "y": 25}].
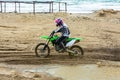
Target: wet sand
[{"x": 99, "y": 71}]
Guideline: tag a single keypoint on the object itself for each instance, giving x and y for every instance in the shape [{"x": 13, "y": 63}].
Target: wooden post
[
  {"x": 33, "y": 7},
  {"x": 15, "y": 8},
  {"x": 65, "y": 7},
  {"x": 52, "y": 7},
  {"x": 1, "y": 7},
  {"x": 59, "y": 6},
  {"x": 19, "y": 7},
  {"x": 5, "y": 7}
]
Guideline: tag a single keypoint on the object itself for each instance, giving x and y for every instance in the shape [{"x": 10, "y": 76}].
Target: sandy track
[
  {"x": 20, "y": 34},
  {"x": 55, "y": 58}
]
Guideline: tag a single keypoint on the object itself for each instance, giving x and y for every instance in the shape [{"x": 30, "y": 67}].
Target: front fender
[{"x": 44, "y": 37}]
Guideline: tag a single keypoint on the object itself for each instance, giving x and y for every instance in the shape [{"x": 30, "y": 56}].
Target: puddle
[{"x": 80, "y": 72}]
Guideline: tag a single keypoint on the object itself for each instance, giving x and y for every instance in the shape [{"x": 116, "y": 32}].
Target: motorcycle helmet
[{"x": 58, "y": 22}]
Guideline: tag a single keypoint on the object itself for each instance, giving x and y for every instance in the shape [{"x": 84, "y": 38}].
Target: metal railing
[{"x": 17, "y": 6}]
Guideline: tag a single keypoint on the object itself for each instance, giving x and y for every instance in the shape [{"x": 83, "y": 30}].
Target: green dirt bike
[{"x": 43, "y": 50}]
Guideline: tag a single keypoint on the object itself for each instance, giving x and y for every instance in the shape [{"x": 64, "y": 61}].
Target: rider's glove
[{"x": 52, "y": 34}]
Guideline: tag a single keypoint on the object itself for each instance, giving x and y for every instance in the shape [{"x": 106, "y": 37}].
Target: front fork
[{"x": 46, "y": 44}]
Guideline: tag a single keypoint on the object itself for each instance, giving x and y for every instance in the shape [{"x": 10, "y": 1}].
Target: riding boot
[{"x": 62, "y": 47}]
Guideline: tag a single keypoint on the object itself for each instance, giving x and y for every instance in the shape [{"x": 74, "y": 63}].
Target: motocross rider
[{"x": 64, "y": 30}]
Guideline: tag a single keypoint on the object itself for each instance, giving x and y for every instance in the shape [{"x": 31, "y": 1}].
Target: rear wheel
[
  {"x": 42, "y": 50},
  {"x": 78, "y": 51}
]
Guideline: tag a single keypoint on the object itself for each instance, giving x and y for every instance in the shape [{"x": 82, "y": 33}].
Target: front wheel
[
  {"x": 78, "y": 51},
  {"x": 42, "y": 50}
]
